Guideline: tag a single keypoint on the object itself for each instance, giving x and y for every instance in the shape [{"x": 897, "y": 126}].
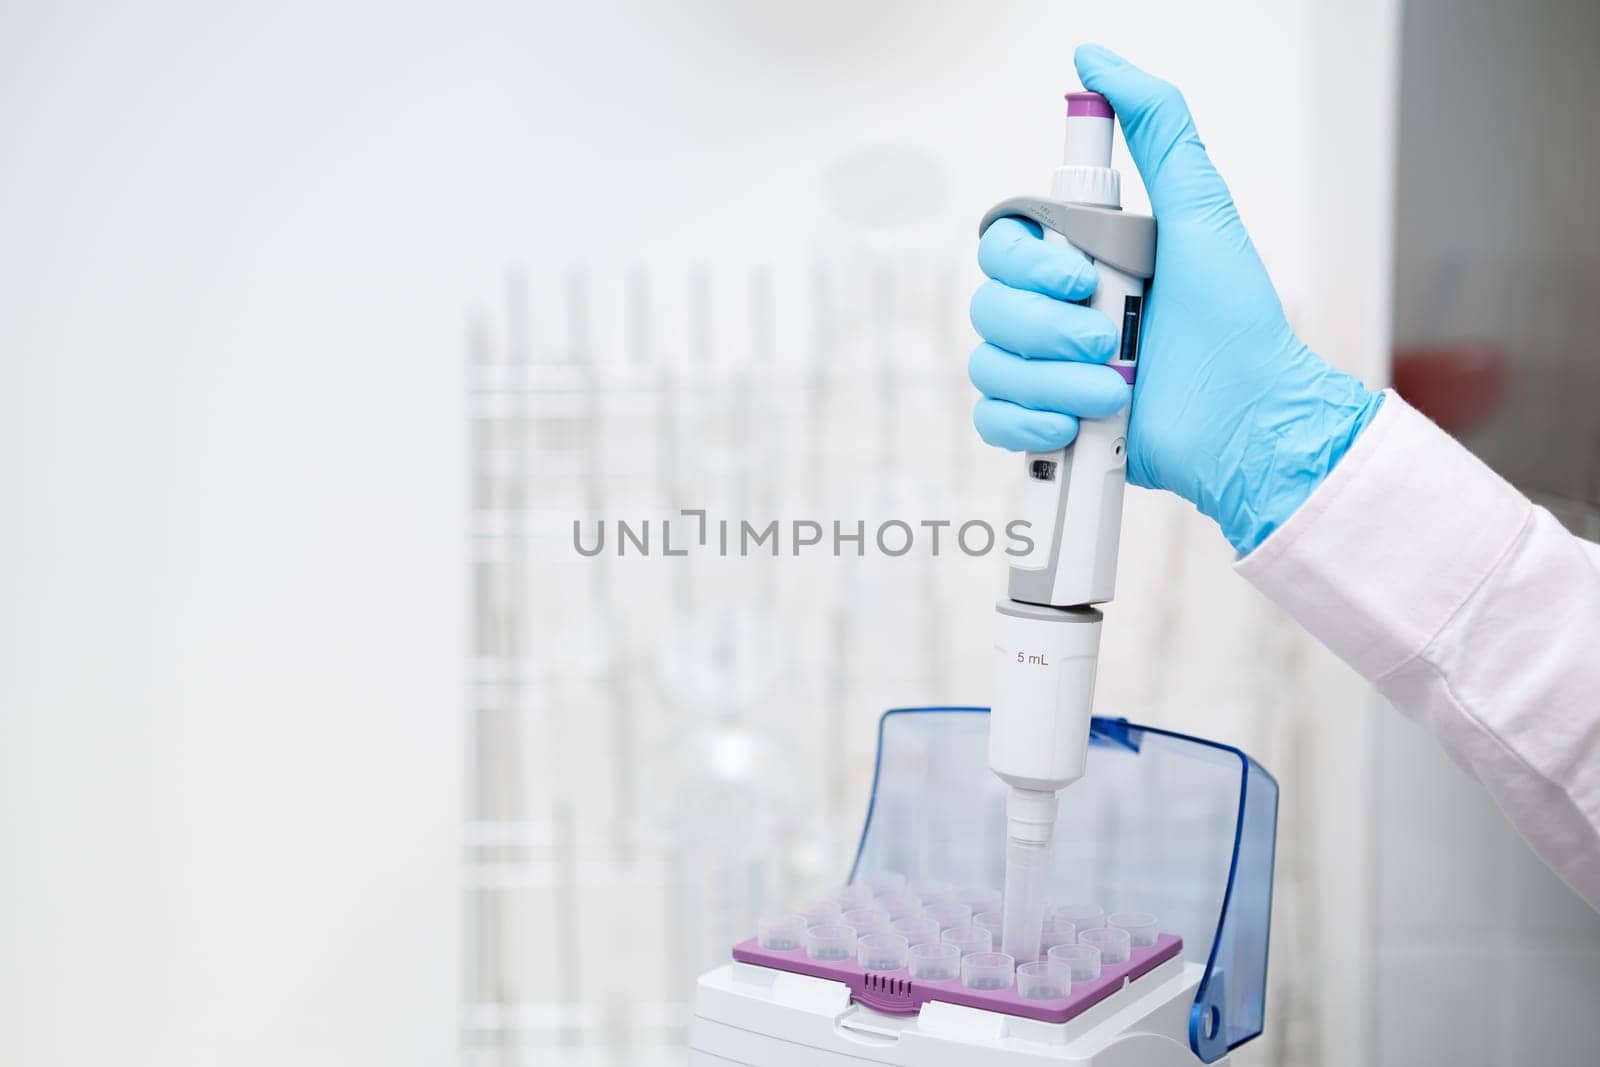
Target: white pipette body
[{"x": 1047, "y": 633}]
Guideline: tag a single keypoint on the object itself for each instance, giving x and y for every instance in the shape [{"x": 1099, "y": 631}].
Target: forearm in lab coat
[{"x": 1471, "y": 610}]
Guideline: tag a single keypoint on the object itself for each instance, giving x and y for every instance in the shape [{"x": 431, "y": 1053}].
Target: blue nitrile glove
[{"x": 1231, "y": 410}]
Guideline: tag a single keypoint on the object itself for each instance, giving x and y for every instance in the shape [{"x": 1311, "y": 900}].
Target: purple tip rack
[{"x": 897, "y": 993}]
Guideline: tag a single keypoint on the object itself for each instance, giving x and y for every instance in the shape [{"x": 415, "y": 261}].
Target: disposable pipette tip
[
  {"x": 1023, "y": 914},
  {"x": 1141, "y": 926},
  {"x": 1113, "y": 942}
]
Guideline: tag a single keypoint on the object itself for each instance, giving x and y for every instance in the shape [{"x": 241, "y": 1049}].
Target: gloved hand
[{"x": 1231, "y": 410}]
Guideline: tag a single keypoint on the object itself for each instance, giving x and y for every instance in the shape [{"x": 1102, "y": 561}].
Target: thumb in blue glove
[{"x": 1231, "y": 410}]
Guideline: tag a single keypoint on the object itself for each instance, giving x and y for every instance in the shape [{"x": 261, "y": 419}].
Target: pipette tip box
[{"x": 896, "y": 992}]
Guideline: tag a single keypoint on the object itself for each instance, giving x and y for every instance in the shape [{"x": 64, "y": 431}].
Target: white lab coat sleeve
[{"x": 1470, "y": 609}]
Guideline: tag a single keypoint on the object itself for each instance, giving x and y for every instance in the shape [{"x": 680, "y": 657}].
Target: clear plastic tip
[
  {"x": 934, "y": 963},
  {"x": 987, "y": 970},
  {"x": 1113, "y": 942},
  {"x": 1043, "y": 980},
  {"x": 830, "y": 942},
  {"x": 781, "y": 932},
  {"x": 1141, "y": 926},
  {"x": 917, "y": 929},
  {"x": 932, "y": 891},
  {"x": 867, "y": 920},
  {"x": 882, "y": 952},
  {"x": 1083, "y": 916},
  {"x": 950, "y": 914},
  {"x": 968, "y": 939},
  {"x": 823, "y": 913},
  {"x": 979, "y": 899},
  {"x": 899, "y": 905},
  {"x": 858, "y": 895},
  {"x": 1081, "y": 962},
  {"x": 1057, "y": 931},
  {"x": 1027, "y": 867}
]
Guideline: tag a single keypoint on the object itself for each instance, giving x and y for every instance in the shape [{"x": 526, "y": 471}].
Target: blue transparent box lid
[{"x": 1160, "y": 822}]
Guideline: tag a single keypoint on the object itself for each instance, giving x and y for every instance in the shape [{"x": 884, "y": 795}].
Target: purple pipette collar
[{"x": 1088, "y": 104}]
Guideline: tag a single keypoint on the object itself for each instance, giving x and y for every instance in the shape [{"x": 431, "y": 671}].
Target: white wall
[{"x": 230, "y": 595}]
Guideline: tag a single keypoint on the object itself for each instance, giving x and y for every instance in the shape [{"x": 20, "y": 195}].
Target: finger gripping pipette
[{"x": 1047, "y": 630}]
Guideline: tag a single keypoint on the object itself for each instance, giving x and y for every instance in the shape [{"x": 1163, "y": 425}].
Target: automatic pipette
[{"x": 1047, "y": 631}]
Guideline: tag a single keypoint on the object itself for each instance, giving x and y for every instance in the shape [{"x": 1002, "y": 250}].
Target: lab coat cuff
[{"x": 1362, "y": 564}]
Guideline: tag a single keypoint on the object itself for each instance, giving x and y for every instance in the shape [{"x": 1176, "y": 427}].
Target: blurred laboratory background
[{"x": 321, "y": 325}]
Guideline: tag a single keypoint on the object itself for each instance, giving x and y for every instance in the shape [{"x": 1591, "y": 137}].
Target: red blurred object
[{"x": 1457, "y": 384}]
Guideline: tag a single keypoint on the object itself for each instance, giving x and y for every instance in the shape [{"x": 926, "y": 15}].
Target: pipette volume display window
[{"x": 1132, "y": 313}]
